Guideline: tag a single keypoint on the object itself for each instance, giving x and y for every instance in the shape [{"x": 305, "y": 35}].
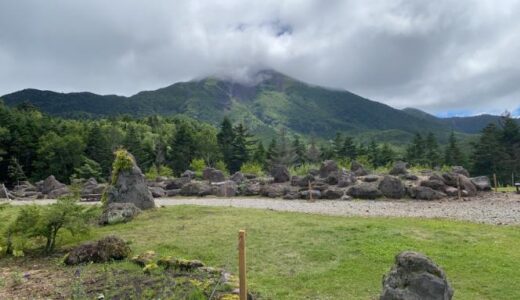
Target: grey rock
[
  {"x": 364, "y": 191},
  {"x": 196, "y": 188},
  {"x": 176, "y": 183},
  {"x": 328, "y": 167},
  {"x": 392, "y": 187},
  {"x": 410, "y": 177},
  {"x": 54, "y": 194},
  {"x": 434, "y": 184},
  {"x": 224, "y": 189},
  {"x": 105, "y": 250},
  {"x": 280, "y": 174},
  {"x": 274, "y": 190},
  {"x": 50, "y": 183},
  {"x": 399, "y": 168},
  {"x": 347, "y": 179},
  {"x": 371, "y": 178},
  {"x": 415, "y": 277},
  {"x": 118, "y": 213},
  {"x": 213, "y": 175},
  {"x": 157, "y": 192},
  {"x": 358, "y": 169},
  {"x": 291, "y": 196},
  {"x": 250, "y": 189},
  {"x": 482, "y": 183},
  {"x": 425, "y": 193},
  {"x": 188, "y": 174},
  {"x": 302, "y": 181},
  {"x": 460, "y": 170},
  {"x": 333, "y": 193},
  {"x": 173, "y": 193},
  {"x": 307, "y": 194},
  {"x": 238, "y": 177}
]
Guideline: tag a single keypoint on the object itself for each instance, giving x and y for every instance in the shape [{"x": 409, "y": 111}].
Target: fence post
[
  {"x": 458, "y": 186},
  {"x": 495, "y": 180},
  {"x": 242, "y": 264}
]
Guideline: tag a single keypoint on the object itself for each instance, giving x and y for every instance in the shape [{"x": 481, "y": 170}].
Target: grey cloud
[{"x": 438, "y": 55}]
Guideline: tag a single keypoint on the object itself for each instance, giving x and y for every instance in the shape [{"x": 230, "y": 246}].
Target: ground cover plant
[{"x": 298, "y": 256}]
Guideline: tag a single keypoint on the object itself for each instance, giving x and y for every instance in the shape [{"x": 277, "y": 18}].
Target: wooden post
[
  {"x": 242, "y": 264},
  {"x": 310, "y": 192},
  {"x": 495, "y": 180},
  {"x": 458, "y": 187},
  {"x": 6, "y": 193}
]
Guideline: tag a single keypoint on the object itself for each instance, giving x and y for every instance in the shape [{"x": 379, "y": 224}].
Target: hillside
[{"x": 274, "y": 101}]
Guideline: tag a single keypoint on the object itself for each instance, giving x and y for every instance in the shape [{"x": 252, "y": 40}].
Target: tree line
[{"x": 34, "y": 145}]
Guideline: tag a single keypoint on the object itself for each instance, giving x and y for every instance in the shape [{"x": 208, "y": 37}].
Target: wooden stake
[
  {"x": 495, "y": 180},
  {"x": 242, "y": 264},
  {"x": 458, "y": 186},
  {"x": 310, "y": 192}
]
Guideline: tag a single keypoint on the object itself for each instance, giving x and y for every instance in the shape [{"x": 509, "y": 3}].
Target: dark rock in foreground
[
  {"x": 415, "y": 277},
  {"x": 364, "y": 191},
  {"x": 105, "y": 250},
  {"x": 280, "y": 174},
  {"x": 392, "y": 187}
]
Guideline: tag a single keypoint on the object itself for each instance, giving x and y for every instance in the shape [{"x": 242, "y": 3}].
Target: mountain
[{"x": 267, "y": 102}]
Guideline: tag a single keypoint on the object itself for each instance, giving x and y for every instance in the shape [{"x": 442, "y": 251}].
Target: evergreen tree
[
  {"x": 386, "y": 155},
  {"x": 415, "y": 153},
  {"x": 240, "y": 148},
  {"x": 349, "y": 148},
  {"x": 132, "y": 143},
  {"x": 182, "y": 149},
  {"x": 313, "y": 153},
  {"x": 299, "y": 150},
  {"x": 98, "y": 149},
  {"x": 283, "y": 153},
  {"x": 225, "y": 139},
  {"x": 373, "y": 154},
  {"x": 259, "y": 155},
  {"x": 337, "y": 146},
  {"x": 15, "y": 171},
  {"x": 453, "y": 155},
  {"x": 432, "y": 154},
  {"x": 271, "y": 150}
]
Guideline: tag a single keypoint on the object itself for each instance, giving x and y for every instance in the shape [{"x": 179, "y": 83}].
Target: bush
[
  {"x": 252, "y": 168},
  {"x": 123, "y": 161},
  {"x": 303, "y": 169},
  {"x": 197, "y": 165},
  {"x": 220, "y": 165},
  {"x": 35, "y": 222}
]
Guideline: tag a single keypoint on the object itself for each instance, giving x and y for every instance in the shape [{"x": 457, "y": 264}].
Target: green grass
[
  {"x": 506, "y": 189},
  {"x": 301, "y": 256}
]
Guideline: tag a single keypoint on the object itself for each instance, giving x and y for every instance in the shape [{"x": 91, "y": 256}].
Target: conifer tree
[
  {"x": 432, "y": 155},
  {"x": 488, "y": 152},
  {"x": 349, "y": 148},
  {"x": 313, "y": 153},
  {"x": 299, "y": 150},
  {"x": 225, "y": 138},
  {"x": 240, "y": 148},
  {"x": 282, "y": 154},
  {"x": 453, "y": 155},
  {"x": 15, "y": 171},
  {"x": 259, "y": 155},
  {"x": 182, "y": 149}
]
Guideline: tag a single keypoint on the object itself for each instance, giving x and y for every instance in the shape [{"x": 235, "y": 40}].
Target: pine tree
[
  {"x": 225, "y": 139},
  {"x": 183, "y": 149},
  {"x": 283, "y": 153},
  {"x": 373, "y": 154},
  {"x": 386, "y": 155},
  {"x": 299, "y": 150},
  {"x": 349, "y": 148},
  {"x": 240, "y": 148},
  {"x": 415, "y": 153},
  {"x": 337, "y": 145},
  {"x": 98, "y": 149},
  {"x": 15, "y": 171},
  {"x": 432, "y": 154},
  {"x": 453, "y": 155},
  {"x": 488, "y": 152},
  {"x": 259, "y": 155},
  {"x": 132, "y": 143},
  {"x": 313, "y": 153}
]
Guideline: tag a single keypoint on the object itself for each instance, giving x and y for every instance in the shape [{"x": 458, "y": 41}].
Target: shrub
[
  {"x": 303, "y": 169},
  {"x": 123, "y": 161},
  {"x": 197, "y": 165},
  {"x": 165, "y": 171},
  {"x": 220, "y": 165},
  {"x": 252, "y": 168}
]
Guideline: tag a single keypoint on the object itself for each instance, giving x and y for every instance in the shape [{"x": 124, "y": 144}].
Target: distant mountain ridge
[{"x": 271, "y": 101}]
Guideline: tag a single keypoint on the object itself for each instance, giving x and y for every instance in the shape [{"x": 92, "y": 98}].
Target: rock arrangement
[
  {"x": 329, "y": 182},
  {"x": 415, "y": 276}
]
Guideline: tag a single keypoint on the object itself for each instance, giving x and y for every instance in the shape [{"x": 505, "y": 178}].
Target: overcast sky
[{"x": 445, "y": 57}]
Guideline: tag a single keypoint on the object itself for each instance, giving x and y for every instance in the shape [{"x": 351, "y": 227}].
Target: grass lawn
[{"x": 301, "y": 256}]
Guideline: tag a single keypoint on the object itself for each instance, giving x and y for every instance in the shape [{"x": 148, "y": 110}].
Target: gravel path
[{"x": 490, "y": 208}]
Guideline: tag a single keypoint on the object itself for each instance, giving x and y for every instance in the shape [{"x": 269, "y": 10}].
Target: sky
[{"x": 457, "y": 57}]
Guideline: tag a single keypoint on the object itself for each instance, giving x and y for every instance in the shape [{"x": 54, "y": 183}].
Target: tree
[
  {"x": 182, "y": 149},
  {"x": 415, "y": 152},
  {"x": 386, "y": 155},
  {"x": 373, "y": 154},
  {"x": 240, "y": 148},
  {"x": 225, "y": 138},
  {"x": 432, "y": 154},
  {"x": 15, "y": 171},
  {"x": 349, "y": 148},
  {"x": 88, "y": 169},
  {"x": 282, "y": 152},
  {"x": 488, "y": 152},
  {"x": 98, "y": 148},
  {"x": 133, "y": 144},
  {"x": 299, "y": 150},
  {"x": 452, "y": 155},
  {"x": 337, "y": 145},
  {"x": 313, "y": 153},
  {"x": 259, "y": 155}
]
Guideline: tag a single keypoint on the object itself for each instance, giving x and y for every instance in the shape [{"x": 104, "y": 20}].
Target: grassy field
[{"x": 300, "y": 256}]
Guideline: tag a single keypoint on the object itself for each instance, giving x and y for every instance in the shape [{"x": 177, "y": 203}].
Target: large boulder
[
  {"x": 196, "y": 188},
  {"x": 188, "y": 174},
  {"x": 399, "y": 168},
  {"x": 53, "y": 188},
  {"x": 460, "y": 170},
  {"x": 91, "y": 186},
  {"x": 302, "y": 181},
  {"x": 176, "y": 183},
  {"x": 482, "y": 183},
  {"x": 415, "y": 277},
  {"x": 225, "y": 189},
  {"x": 280, "y": 174},
  {"x": 346, "y": 179},
  {"x": 392, "y": 187},
  {"x": 129, "y": 185},
  {"x": 456, "y": 180},
  {"x": 118, "y": 213},
  {"x": 332, "y": 193},
  {"x": 358, "y": 169},
  {"x": 364, "y": 191},
  {"x": 157, "y": 192},
  {"x": 371, "y": 178},
  {"x": 425, "y": 193},
  {"x": 274, "y": 190},
  {"x": 434, "y": 184},
  {"x": 250, "y": 189},
  {"x": 105, "y": 250},
  {"x": 238, "y": 177},
  {"x": 213, "y": 175},
  {"x": 328, "y": 167}
]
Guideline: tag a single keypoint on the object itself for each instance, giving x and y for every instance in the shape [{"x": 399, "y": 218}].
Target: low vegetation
[{"x": 301, "y": 256}]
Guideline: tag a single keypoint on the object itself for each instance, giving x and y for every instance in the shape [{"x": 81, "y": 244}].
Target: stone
[
  {"x": 434, "y": 184},
  {"x": 280, "y": 174},
  {"x": 144, "y": 258},
  {"x": 50, "y": 183},
  {"x": 364, "y": 191},
  {"x": 346, "y": 198},
  {"x": 250, "y": 189},
  {"x": 91, "y": 186},
  {"x": 213, "y": 175},
  {"x": 224, "y": 189},
  {"x": 196, "y": 188},
  {"x": 410, "y": 177},
  {"x": 358, "y": 169},
  {"x": 176, "y": 183},
  {"x": 371, "y": 178},
  {"x": 238, "y": 177},
  {"x": 302, "y": 181},
  {"x": 173, "y": 193},
  {"x": 307, "y": 194},
  {"x": 460, "y": 170},
  {"x": 273, "y": 190},
  {"x": 291, "y": 196},
  {"x": 54, "y": 194},
  {"x": 425, "y": 193},
  {"x": 130, "y": 187},
  {"x": 482, "y": 183},
  {"x": 115, "y": 213},
  {"x": 180, "y": 264},
  {"x": 333, "y": 193},
  {"x": 327, "y": 168},
  {"x": 250, "y": 176},
  {"x": 415, "y": 276},
  {"x": 399, "y": 168},
  {"x": 188, "y": 174},
  {"x": 451, "y": 191},
  {"x": 392, "y": 187},
  {"x": 467, "y": 185},
  {"x": 105, "y": 250},
  {"x": 346, "y": 179},
  {"x": 157, "y": 192}
]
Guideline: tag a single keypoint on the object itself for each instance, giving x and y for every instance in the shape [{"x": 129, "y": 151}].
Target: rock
[
  {"x": 318, "y": 184},
  {"x": 306, "y": 194},
  {"x": 399, "y": 168},
  {"x": 358, "y": 169},
  {"x": 280, "y": 174},
  {"x": 327, "y": 168},
  {"x": 415, "y": 276},
  {"x": 451, "y": 191},
  {"x": 224, "y": 189},
  {"x": 144, "y": 258},
  {"x": 291, "y": 196},
  {"x": 346, "y": 179},
  {"x": 180, "y": 264},
  {"x": 188, "y": 174},
  {"x": 51, "y": 184},
  {"x": 346, "y": 198},
  {"x": 411, "y": 177},
  {"x": 314, "y": 172},
  {"x": 91, "y": 186},
  {"x": 130, "y": 187},
  {"x": 274, "y": 190},
  {"x": 176, "y": 183},
  {"x": 302, "y": 181},
  {"x": 105, "y": 250},
  {"x": 213, "y": 175},
  {"x": 173, "y": 193},
  {"x": 392, "y": 187},
  {"x": 333, "y": 193},
  {"x": 250, "y": 176},
  {"x": 118, "y": 213},
  {"x": 425, "y": 193},
  {"x": 157, "y": 192},
  {"x": 54, "y": 194},
  {"x": 371, "y": 178},
  {"x": 482, "y": 183},
  {"x": 250, "y": 189},
  {"x": 364, "y": 191},
  {"x": 196, "y": 188},
  {"x": 460, "y": 170},
  {"x": 238, "y": 177},
  {"x": 454, "y": 180},
  {"x": 434, "y": 184}
]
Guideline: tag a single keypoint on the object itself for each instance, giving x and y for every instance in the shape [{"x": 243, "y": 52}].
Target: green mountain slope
[{"x": 273, "y": 102}]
